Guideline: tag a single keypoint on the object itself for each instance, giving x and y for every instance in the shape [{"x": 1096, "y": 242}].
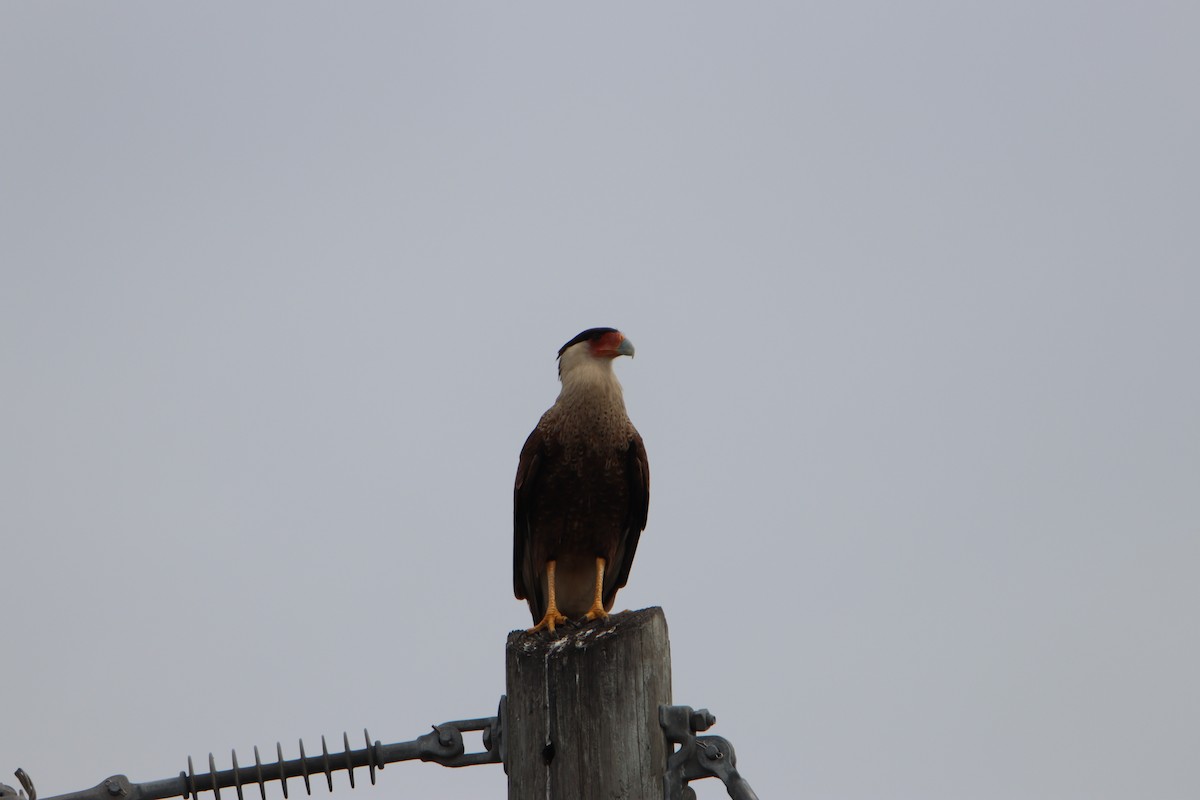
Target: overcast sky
[{"x": 914, "y": 291}]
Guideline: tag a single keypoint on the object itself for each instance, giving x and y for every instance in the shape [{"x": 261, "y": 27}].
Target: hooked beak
[{"x": 626, "y": 348}]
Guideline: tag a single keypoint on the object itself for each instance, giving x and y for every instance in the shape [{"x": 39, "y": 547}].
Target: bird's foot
[
  {"x": 596, "y": 612},
  {"x": 552, "y": 618}
]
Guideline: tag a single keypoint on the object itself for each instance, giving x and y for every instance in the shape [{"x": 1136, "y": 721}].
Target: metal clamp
[
  {"x": 698, "y": 756},
  {"x": 27, "y": 793},
  {"x": 444, "y": 744},
  {"x": 9, "y": 793}
]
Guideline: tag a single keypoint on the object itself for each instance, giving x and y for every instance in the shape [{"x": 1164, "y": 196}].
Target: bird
[{"x": 582, "y": 490}]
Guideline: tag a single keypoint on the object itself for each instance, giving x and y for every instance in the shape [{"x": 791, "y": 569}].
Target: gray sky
[{"x": 914, "y": 291}]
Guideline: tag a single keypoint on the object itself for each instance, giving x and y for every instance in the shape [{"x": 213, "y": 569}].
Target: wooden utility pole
[{"x": 582, "y": 717}]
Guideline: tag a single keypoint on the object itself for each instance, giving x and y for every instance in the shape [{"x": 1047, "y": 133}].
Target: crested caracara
[{"x": 583, "y": 486}]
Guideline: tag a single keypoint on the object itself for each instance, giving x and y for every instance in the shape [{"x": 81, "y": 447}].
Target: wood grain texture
[{"x": 582, "y": 715}]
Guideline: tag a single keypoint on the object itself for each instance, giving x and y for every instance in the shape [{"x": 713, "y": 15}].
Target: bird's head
[{"x": 595, "y": 346}]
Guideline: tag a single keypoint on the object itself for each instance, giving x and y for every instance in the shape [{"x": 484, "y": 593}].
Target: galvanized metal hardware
[
  {"x": 698, "y": 756},
  {"x": 443, "y": 745},
  {"x": 27, "y": 793}
]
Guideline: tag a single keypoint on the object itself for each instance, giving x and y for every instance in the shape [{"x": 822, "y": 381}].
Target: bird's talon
[{"x": 551, "y": 619}]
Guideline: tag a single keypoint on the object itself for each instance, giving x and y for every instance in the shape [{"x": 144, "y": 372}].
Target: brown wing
[
  {"x": 524, "y": 583},
  {"x": 637, "y": 471}
]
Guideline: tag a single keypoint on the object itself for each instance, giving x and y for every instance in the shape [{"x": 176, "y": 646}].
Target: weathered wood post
[{"x": 582, "y": 715}]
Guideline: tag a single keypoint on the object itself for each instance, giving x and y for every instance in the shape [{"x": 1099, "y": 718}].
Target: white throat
[{"x": 585, "y": 377}]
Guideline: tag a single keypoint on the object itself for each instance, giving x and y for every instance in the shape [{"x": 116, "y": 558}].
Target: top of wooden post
[{"x": 585, "y": 635}]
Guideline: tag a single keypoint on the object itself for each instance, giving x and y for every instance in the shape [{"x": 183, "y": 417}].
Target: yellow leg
[
  {"x": 597, "y": 610},
  {"x": 553, "y": 616}
]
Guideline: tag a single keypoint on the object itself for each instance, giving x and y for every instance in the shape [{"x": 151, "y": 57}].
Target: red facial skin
[{"x": 606, "y": 346}]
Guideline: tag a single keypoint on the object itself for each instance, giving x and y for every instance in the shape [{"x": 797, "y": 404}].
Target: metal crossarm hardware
[
  {"x": 698, "y": 756},
  {"x": 9, "y": 793},
  {"x": 442, "y": 745}
]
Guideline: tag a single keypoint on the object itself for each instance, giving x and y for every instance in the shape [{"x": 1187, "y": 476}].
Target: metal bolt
[
  {"x": 444, "y": 737},
  {"x": 702, "y": 720}
]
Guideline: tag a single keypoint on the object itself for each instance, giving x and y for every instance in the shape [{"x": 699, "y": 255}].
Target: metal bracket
[
  {"x": 28, "y": 792},
  {"x": 698, "y": 756}
]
